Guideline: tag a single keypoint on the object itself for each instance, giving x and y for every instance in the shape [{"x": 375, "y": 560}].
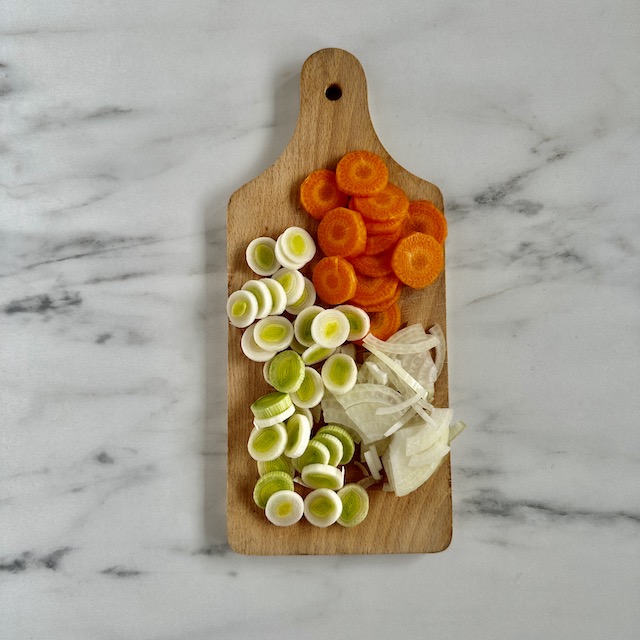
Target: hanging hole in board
[{"x": 333, "y": 92}]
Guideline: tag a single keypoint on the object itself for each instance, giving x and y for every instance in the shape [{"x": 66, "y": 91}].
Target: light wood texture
[{"x": 325, "y": 131}]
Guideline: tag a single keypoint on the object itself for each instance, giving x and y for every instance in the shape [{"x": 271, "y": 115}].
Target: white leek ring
[
  {"x": 273, "y": 333},
  {"x": 322, "y": 507},
  {"x": 261, "y": 257},
  {"x": 242, "y": 308},
  {"x": 263, "y": 296},
  {"x": 278, "y": 296},
  {"x": 330, "y": 328},
  {"x": 284, "y": 508}
]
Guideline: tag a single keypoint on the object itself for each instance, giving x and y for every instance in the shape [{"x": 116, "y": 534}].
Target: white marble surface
[{"x": 126, "y": 125}]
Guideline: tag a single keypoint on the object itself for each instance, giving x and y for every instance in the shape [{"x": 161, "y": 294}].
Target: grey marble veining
[{"x": 124, "y": 129}]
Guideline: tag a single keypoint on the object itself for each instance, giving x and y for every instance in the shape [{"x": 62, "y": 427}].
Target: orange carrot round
[
  {"x": 379, "y": 243},
  {"x": 374, "y": 291},
  {"x": 334, "y": 279},
  {"x": 361, "y": 173},
  {"x": 384, "y": 304},
  {"x": 383, "y": 228},
  {"x": 417, "y": 260},
  {"x": 342, "y": 232},
  {"x": 390, "y": 204},
  {"x": 375, "y": 266},
  {"x": 385, "y": 323},
  {"x": 427, "y": 218},
  {"x": 319, "y": 193}
]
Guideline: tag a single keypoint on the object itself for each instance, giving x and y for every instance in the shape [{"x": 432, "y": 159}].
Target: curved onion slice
[
  {"x": 306, "y": 300},
  {"x": 267, "y": 443},
  {"x": 311, "y": 390},
  {"x": 339, "y": 373},
  {"x": 242, "y": 308},
  {"x": 441, "y": 348},
  {"x": 250, "y": 347},
  {"x": 322, "y": 507},
  {"x": 359, "y": 321},
  {"x": 262, "y": 294},
  {"x": 278, "y": 296},
  {"x": 402, "y": 348},
  {"x": 261, "y": 257},
  {"x": 273, "y": 333},
  {"x": 284, "y": 508},
  {"x": 302, "y": 325},
  {"x": 330, "y": 328},
  {"x": 297, "y": 245},
  {"x": 292, "y": 282},
  {"x": 268, "y": 484}
]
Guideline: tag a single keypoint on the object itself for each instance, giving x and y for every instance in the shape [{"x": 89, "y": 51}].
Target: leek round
[
  {"x": 315, "y": 353},
  {"x": 279, "y": 464},
  {"x": 333, "y": 444},
  {"x": 261, "y": 257},
  {"x": 267, "y": 443},
  {"x": 322, "y": 507},
  {"x": 315, "y": 453},
  {"x": 250, "y": 347},
  {"x": 311, "y": 390},
  {"x": 296, "y": 245},
  {"x": 302, "y": 325},
  {"x": 339, "y": 373},
  {"x": 298, "y": 428},
  {"x": 268, "y": 484},
  {"x": 306, "y": 300},
  {"x": 286, "y": 371},
  {"x": 278, "y": 296},
  {"x": 348, "y": 445},
  {"x": 262, "y": 294},
  {"x": 273, "y": 333},
  {"x": 359, "y": 321},
  {"x": 355, "y": 505},
  {"x": 271, "y": 404},
  {"x": 292, "y": 282},
  {"x": 284, "y": 508},
  {"x": 330, "y": 328},
  {"x": 242, "y": 308},
  {"x": 322, "y": 476},
  {"x": 260, "y": 423}
]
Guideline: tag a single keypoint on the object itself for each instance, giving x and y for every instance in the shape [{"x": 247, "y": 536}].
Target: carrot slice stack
[
  {"x": 361, "y": 173},
  {"x": 417, "y": 260},
  {"x": 379, "y": 243},
  {"x": 390, "y": 204},
  {"x": 425, "y": 217},
  {"x": 319, "y": 193},
  {"x": 342, "y": 232},
  {"x": 375, "y": 266},
  {"x": 374, "y": 294},
  {"x": 385, "y": 323},
  {"x": 334, "y": 279}
]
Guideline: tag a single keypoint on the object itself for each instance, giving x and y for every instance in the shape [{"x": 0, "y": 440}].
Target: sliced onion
[
  {"x": 441, "y": 347},
  {"x": 400, "y": 347}
]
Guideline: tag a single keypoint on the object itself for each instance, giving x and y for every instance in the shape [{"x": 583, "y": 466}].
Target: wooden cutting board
[{"x": 333, "y": 119}]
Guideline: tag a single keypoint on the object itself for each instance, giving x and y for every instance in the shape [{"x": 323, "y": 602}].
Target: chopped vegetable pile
[{"x": 351, "y": 388}]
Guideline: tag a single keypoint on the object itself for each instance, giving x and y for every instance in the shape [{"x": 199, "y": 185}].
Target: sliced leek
[
  {"x": 267, "y": 443},
  {"x": 339, "y": 373},
  {"x": 242, "y": 308},
  {"x": 260, "y": 423},
  {"x": 297, "y": 347},
  {"x": 359, "y": 322},
  {"x": 318, "y": 476},
  {"x": 307, "y": 413},
  {"x": 348, "y": 445},
  {"x": 262, "y": 294},
  {"x": 322, "y": 507},
  {"x": 278, "y": 296},
  {"x": 286, "y": 371},
  {"x": 311, "y": 390},
  {"x": 315, "y": 353},
  {"x": 268, "y": 484},
  {"x": 273, "y": 333},
  {"x": 292, "y": 282},
  {"x": 284, "y": 508},
  {"x": 279, "y": 464},
  {"x": 261, "y": 257},
  {"x": 296, "y": 245},
  {"x": 302, "y": 324},
  {"x": 315, "y": 453},
  {"x": 330, "y": 328},
  {"x": 333, "y": 444},
  {"x": 298, "y": 428},
  {"x": 355, "y": 505},
  {"x": 271, "y": 404},
  {"x": 306, "y": 300},
  {"x": 250, "y": 347}
]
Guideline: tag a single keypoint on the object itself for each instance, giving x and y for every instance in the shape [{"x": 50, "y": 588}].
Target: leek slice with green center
[
  {"x": 311, "y": 390},
  {"x": 286, "y": 371},
  {"x": 262, "y": 294},
  {"x": 302, "y": 325},
  {"x": 284, "y": 508},
  {"x": 336, "y": 450},
  {"x": 250, "y": 347},
  {"x": 279, "y": 464},
  {"x": 271, "y": 404},
  {"x": 273, "y": 333},
  {"x": 298, "y": 428},
  {"x": 359, "y": 321},
  {"x": 292, "y": 282},
  {"x": 322, "y": 476},
  {"x": 348, "y": 445},
  {"x": 355, "y": 505},
  {"x": 330, "y": 328},
  {"x": 296, "y": 245},
  {"x": 315, "y": 353},
  {"x": 339, "y": 373},
  {"x": 278, "y": 296},
  {"x": 322, "y": 507},
  {"x": 261, "y": 257},
  {"x": 242, "y": 308},
  {"x": 315, "y": 453},
  {"x": 306, "y": 300},
  {"x": 267, "y": 443},
  {"x": 268, "y": 484}
]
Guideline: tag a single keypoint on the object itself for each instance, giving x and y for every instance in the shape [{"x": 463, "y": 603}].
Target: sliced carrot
[
  {"x": 342, "y": 232},
  {"x": 361, "y": 173},
  {"x": 385, "y": 323},
  {"x": 379, "y": 243},
  {"x": 375, "y": 266},
  {"x": 384, "y": 304},
  {"x": 319, "y": 193},
  {"x": 384, "y": 228},
  {"x": 334, "y": 279},
  {"x": 427, "y": 218},
  {"x": 417, "y": 260},
  {"x": 390, "y": 204},
  {"x": 374, "y": 291}
]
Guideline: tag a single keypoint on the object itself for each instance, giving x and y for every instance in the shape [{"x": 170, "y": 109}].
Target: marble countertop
[{"x": 125, "y": 128}]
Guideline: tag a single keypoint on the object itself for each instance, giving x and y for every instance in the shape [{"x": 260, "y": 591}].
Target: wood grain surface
[{"x": 326, "y": 129}]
